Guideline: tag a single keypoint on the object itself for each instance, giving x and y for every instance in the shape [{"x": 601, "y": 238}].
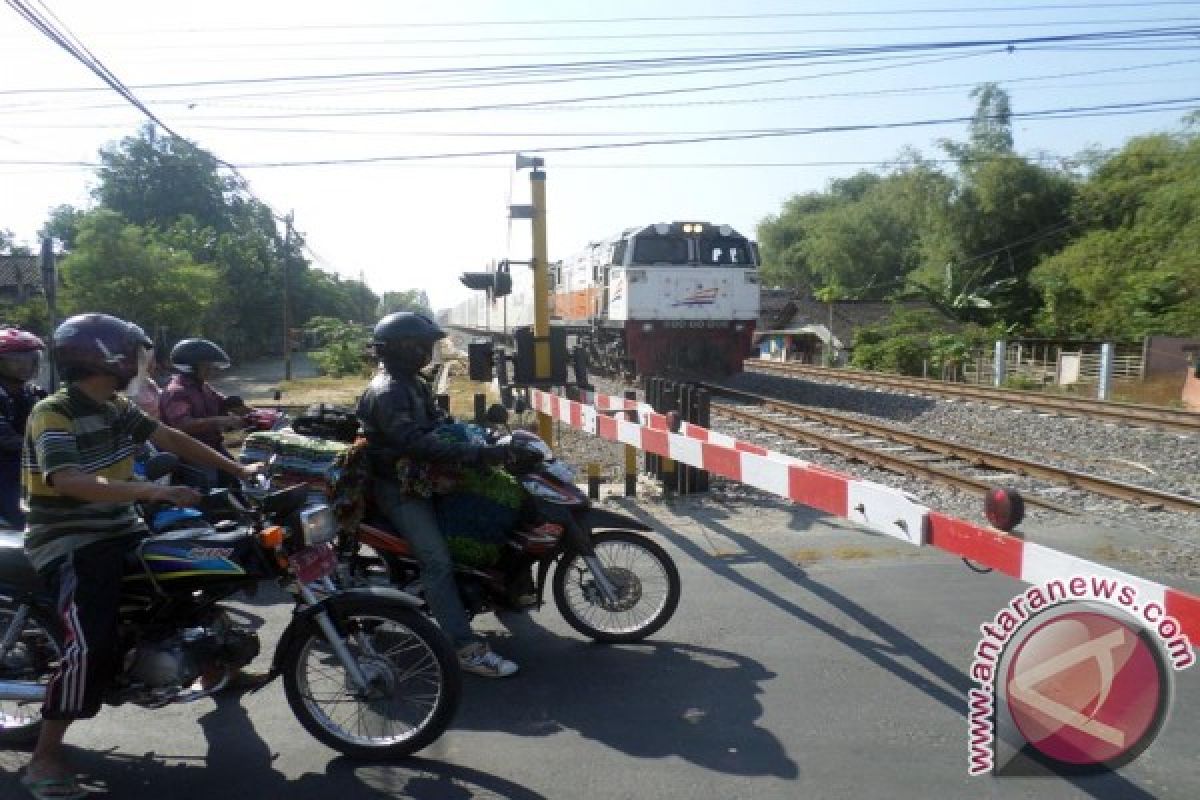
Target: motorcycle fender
[
  {"x": 302, "y": 619},
  {"x": 601, "y": 519}
]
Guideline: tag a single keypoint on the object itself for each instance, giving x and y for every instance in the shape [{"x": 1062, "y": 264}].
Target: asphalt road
[{"x": 843, "y": 678}]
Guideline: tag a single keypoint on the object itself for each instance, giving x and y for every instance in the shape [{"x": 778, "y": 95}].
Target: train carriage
[{"x": 682, "y": 296}]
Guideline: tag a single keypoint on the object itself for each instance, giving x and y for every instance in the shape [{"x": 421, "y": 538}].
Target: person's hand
[
  {"x": 248, "y": 472},
  {"x": 176, "y": 495}
]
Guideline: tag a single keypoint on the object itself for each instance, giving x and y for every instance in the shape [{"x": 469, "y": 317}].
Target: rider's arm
[
  {"x": 390, "y": 415},
  {"x": 177, "y": 412},
  {"x": 194, "y": 451},
  {"x": 74, "y": 482}
]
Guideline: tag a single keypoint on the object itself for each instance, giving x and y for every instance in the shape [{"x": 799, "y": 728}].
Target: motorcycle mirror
[
  {"x": 161, "y": 465},
  {"x": 496, "y": 415}
]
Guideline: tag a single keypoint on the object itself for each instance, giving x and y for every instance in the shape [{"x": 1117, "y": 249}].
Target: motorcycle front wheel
[
  {"x": 646, "y": 580},
  {"x": 414, "y": 683}
]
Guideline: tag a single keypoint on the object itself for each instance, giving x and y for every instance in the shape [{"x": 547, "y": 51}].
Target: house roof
[{"x": 20, "y": 271}]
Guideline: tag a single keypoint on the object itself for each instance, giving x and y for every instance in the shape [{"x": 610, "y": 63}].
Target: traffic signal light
[{"x": 496, "y": 284}]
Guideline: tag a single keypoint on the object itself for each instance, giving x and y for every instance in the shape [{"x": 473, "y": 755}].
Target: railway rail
[
  {"x": 874, "y": 443},
  {"x": 1123, "y": 413}
]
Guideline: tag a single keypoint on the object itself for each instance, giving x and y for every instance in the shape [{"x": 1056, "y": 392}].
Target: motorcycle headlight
[{"x": 317, "y": 525}]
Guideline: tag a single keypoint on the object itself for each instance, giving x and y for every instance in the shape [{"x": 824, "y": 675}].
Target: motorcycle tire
[
  {"x": 575, "y": 591},
  {"x": 39, "y": 644},
  {"x": 437, "y": 674}
]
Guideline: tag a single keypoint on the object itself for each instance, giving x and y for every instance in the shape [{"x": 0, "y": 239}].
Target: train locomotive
[{"x": 677, "y": 297}]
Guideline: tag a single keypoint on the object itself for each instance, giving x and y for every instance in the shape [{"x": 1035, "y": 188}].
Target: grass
[
  {"x": 1165, "y": 390},
  {"x": 306, "y": 391}
]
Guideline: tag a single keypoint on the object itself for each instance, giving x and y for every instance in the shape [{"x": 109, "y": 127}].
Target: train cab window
[
  {"x": 650, "y": 250},
  {"x": 724, "y": 250}
]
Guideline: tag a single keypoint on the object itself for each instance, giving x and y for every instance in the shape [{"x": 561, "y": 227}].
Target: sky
[{"x": 273, "y": 87}]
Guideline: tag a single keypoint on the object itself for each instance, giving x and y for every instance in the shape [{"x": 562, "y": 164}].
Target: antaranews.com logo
[{"x": 1075, "y": 673}]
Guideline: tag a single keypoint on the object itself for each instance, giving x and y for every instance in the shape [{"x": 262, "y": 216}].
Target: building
[
  {"x": 20, "y": 278},
  {"x": 793, "y": 327}
]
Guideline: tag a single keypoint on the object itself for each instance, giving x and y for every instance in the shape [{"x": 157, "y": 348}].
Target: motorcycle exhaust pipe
[{"x": 22, "y": 692}]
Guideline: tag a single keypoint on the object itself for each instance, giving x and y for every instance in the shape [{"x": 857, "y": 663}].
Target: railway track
[
  {"x": 1123, "y": 413},
  {"x": 906, "y": 452}
]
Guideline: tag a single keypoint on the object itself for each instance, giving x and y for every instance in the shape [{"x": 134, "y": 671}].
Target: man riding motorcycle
[
  {"x": 192, "y": 405},
  {"x": 76, "y": 479},
  {"x": 399, "y": 415},
  {"x": 20, "y": 354}
]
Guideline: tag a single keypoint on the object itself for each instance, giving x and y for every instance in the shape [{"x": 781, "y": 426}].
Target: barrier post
[
  {"x": 631, "y": 459},
  {"x": 703, "y": 418},
  {"x": 593, "y": 480},
  {"x": 480, "y": 409}
]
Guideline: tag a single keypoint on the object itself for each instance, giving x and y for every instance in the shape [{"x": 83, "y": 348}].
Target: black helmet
[
  {"x": 97, "y": 344},
  {"x": 403, "y": 341},
  {"x": 191, "y": 353}
]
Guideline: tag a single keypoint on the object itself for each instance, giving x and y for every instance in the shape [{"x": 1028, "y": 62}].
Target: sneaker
[{"x": 479, "y": 659}]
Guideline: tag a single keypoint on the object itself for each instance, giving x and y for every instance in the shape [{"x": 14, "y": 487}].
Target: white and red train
[{"x": 678, "y": 296}]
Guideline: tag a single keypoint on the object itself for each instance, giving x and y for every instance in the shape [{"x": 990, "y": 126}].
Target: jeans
[{"x": 414, "y": 519}]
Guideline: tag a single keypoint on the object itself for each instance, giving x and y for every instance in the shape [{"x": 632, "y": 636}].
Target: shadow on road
[
  {"x": 651, "y": 700},
  {"x": 890, "y": 647},
  {"x": 239, "y": 764}
]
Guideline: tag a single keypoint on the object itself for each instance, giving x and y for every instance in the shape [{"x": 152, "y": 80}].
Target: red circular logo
[{"x": 1087, "y": 688}]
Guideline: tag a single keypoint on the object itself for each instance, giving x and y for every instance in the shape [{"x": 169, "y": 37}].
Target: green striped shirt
[{"x": 70, "y": 430}]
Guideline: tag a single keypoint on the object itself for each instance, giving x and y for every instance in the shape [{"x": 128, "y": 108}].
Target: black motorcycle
[
  {"x": 364, "y": 671},
  {"x": 611, "y": 582}
]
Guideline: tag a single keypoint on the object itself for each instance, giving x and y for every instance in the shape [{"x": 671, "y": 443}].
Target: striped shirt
[{"x": 70, "y": 430}]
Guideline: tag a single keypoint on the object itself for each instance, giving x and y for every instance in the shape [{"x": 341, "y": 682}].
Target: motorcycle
[
  {"x": 611, "y": 582},
  {"x": 364, "y": 671}
]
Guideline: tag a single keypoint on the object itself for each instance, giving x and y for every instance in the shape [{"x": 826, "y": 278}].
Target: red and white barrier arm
[{"x": 880, "y": 508}]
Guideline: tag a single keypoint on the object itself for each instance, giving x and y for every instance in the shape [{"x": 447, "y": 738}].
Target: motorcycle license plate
[{"x": 313, "y": 563}]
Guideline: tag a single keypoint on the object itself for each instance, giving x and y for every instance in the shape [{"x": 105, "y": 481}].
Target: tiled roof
[{"x": 20, "y": 271}]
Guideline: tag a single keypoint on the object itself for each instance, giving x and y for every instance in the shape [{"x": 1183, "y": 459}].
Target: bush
[
  {"x": 906, "y": 355},
  {"x": 343, "y": 348}
]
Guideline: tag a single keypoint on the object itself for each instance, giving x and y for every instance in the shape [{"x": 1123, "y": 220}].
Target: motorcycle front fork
[
  {"x": 336, "y": 641},
  {"x": 607, "y": 590}
]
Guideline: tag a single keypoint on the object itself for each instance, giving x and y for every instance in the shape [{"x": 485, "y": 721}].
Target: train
[{"x": 656, "y": 299}]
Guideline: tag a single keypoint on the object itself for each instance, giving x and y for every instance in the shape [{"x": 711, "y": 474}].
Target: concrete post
[{"x": 1000, "y": 363}]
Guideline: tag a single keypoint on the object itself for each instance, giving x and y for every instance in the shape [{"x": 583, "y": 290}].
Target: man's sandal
[{"x": 67, "y": 788}]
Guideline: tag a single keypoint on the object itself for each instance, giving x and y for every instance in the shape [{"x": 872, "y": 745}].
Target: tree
[
  {"x": 8, "y": 245},
  {"x": 153, "y": 180},
  {"x": 119, "y": 268},
  {"x": 405, "y": 300},
  {"x": 63, "y": 225}
]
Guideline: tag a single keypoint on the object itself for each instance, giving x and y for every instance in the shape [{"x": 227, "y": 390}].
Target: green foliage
[
  {"x": 222, "y": 253},
  {"x": 9, "y": 247},
  {"x": 343, "y": 348},
  {"x": 1102, "y": 245},
  {"x": 406, "y": 300},
  {"x": 121, "y": 269},
  {"x": 915, "y": 342},
  {"x": 1136, "y": 271},
  {"x": 901, "y": 354}
]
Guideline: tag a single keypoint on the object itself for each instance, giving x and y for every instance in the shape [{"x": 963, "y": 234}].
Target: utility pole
[
  {"x": 50, "y": 289},
  {"x": 287, "y": 316}
]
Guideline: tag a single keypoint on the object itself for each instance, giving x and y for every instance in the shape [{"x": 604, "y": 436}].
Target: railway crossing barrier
[{"x": 875, "y": 506}]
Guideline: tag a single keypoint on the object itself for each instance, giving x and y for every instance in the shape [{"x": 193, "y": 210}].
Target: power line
[
  {"x": 1159, "y": 35},
  {"x": 1112, "y": 109},
  {"x": 1089, "y": 6},
  {"x": 674, "y": 34}
]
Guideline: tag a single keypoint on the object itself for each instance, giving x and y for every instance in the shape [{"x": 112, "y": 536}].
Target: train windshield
[
  {"x": 731, "y": 250},
  {"x": 649, "y": 250}
]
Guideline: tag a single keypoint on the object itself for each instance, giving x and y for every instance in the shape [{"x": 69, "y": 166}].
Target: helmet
[
  {"x": 20, "y": 352},
  {"x": 97, "y": 344},
  {"x": 404, "y": 341},
  {"x": 191, "y": 353}
]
